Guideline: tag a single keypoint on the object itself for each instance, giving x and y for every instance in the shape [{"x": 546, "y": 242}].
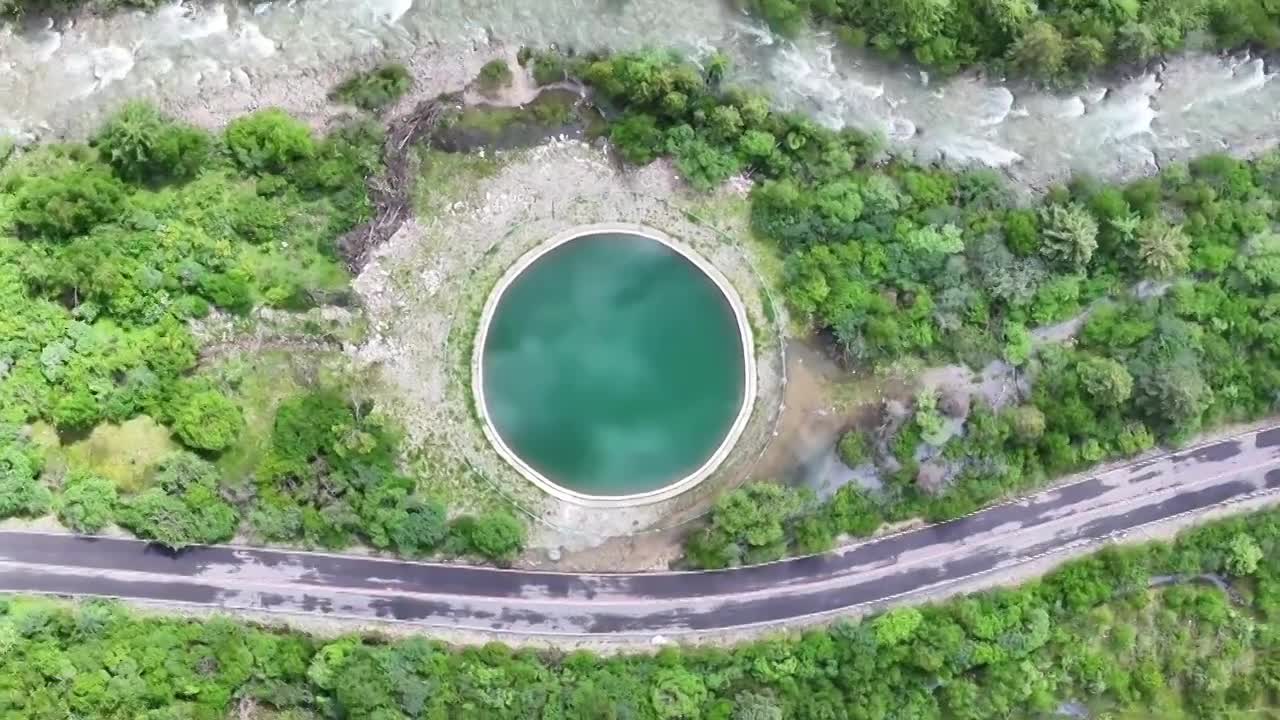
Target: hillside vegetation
[{"x": 108, "y": 252}]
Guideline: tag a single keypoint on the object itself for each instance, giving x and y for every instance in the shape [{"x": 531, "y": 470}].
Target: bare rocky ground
[{"x": 424, "y": 290}]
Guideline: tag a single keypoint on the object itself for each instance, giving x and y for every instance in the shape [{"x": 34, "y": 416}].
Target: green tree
[
  {"x": 1027, "y": 422},
  {"x": 424, "y": 525},
  {"x": 1175, "y": 396},
  {"x": 1106, "y": 381},
  {"x": 1243, "y": 555},
  {"x": 751, "y": 705},
  {"x": 1259, "y": 263},
  {"x": 853, "y": 448},
  {"x": 678, "y": 694},
  {"x": 748, "y": 525},
  {"x": 637, "y": 138},
  {"x": 67, "y": 200},
  {"x": 896, "y": 626},
  {"x": 184, "y": 508},
  {"x": 87, "y": 502},
  {"x": 268, "y": 141},
  {"x": 1163, "y": 249},
  {"x": 1018, "y": 344},
  {"x": 208, "y": 420},
  {"x": 1069, "y": 234},
  {"x": 1041, "y": 51},
  {"x": 142, "y": 145},
  {"x": 21, "y": 492},
  {"x": 497, "y": 536}
]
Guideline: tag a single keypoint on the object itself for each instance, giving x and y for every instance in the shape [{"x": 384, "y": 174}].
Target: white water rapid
[{"x": 211, "y": 61}]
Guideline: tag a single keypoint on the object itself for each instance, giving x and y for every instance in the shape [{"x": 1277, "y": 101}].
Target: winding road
[{"x": 930, "y": 559}]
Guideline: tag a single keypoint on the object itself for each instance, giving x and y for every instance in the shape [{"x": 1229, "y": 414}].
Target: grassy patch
[
  {"x": 258, "y": 383},
  {"x": 552, "y": 113},
  {"x": 553, "y": 107},
  {"x": 449, "y": 177},
  {"x": 122, "y": 453}
]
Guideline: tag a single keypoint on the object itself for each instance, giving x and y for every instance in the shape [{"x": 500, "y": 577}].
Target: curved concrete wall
[{"x": 606, "y": 501}]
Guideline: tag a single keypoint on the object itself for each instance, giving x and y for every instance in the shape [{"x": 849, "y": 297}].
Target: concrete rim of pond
[{"x": 671, "y": 489}]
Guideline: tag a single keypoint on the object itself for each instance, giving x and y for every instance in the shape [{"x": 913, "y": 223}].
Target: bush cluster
[
  {"x": 331, "y": 479},
  {"x": 375, "y": 90}
]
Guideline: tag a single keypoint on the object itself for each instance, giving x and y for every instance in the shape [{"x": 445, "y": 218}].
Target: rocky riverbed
[{"x": 211, "y": 61}]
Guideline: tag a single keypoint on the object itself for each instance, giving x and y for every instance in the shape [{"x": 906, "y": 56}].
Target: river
[{"x": 211, "y": 61}]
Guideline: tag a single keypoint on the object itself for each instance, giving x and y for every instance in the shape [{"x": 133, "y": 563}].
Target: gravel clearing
[{"x": 424, "y": 290}]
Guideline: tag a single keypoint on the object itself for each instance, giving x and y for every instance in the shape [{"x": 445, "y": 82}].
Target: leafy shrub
[
  {"x": 375, "y": 90},
  {"x": 637, "y": 138},
  {"x": 208, "y": 420},
  {"x": 87, "y": 502},
  {"x": 184, "y": 508},
  {"x": 143, "y": 146},
  {"x": 853, "y": 448},
  {"x": 69, "y": 199},
  {"x": 494, "y": 76},
  {"x": 748, "y": 525},
  {"x": 268, "y": 141},
  {"x": 21, "y": 491},
  {"x": 497, "y": 536}
]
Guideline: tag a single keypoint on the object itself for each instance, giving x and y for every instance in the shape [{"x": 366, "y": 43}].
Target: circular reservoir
[{"x": 613, "y": 367}]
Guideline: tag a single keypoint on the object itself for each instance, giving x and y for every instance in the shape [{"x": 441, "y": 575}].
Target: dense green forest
[
  {"x": 108, "y": 250},
  {"x": 1177, "y": 274},
  {"x": 1060, "y": 41},
  {"x": 1134, "y": 628}
]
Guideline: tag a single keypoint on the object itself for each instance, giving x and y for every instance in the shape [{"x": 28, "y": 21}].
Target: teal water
[{"x": 613, "y": 365}]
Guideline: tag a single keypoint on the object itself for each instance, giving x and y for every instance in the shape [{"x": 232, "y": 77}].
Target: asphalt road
[{"x": 919, "y": 561}]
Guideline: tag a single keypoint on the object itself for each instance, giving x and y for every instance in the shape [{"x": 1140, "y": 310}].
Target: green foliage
[
  {"x": 69, "y": 198},
  {"x": 183, "y": 508},
  {"x": 494, "y": 76},
  {"x": 1017, "y": 344},
  {"x": 853, "y": 448},
  {"x": 375, "y": 90},
  {"x": 547, "y": 67},
  {"x": 87, "y": 502},
  {"x": 1069, "y": 235},
  {"x": 208, "y": 420},
  {"x": 896, "y": 626},
  {"x": 1163, "y": 249},
  {"x": 268, "y": 141},
  {"x": 637, "y": 138},
  {"x": 21, "y": 492},
  {"x": 1243, "y": 555},
  {"x": 497, "y": 537},
  {"x": 748, "y": 526},
  {"x": 143, "y": 146},
  {"x": 330, "y": 478},
  {"x": 1106, "y": 381}
]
